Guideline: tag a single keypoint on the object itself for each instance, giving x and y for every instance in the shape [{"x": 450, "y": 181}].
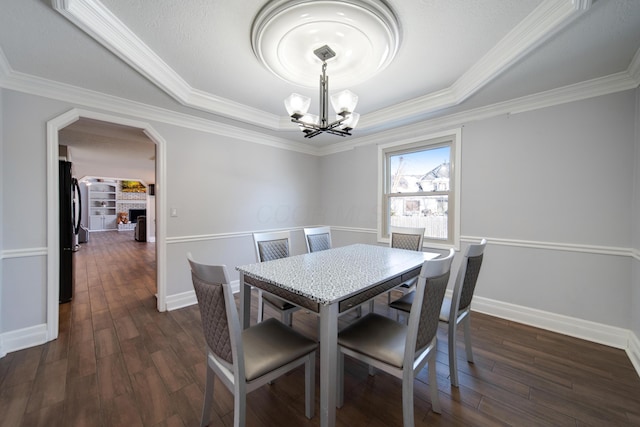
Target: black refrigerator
[{"x": 70, "y": 214}]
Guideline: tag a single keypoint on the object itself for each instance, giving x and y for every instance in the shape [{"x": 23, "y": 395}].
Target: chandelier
[
  {"x": 343, "y": 104},
  {"x": 288, "y": 37}
]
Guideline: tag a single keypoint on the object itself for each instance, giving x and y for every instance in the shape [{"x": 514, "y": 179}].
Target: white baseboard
[
  {"x": 584, "y": 329},
  {"x": 184, "y": 299},
  {"x": 235, "y": 286},
  {"x": 633, "y": 351},
  {"x": 579, "y": 328},
  {"x": 22, "y": 338}
]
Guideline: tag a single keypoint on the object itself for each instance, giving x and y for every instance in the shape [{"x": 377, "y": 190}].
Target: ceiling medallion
[{"x": 364, "y": 34}]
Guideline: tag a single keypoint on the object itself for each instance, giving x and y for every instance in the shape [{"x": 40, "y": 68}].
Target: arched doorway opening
[{"x": 53, "y": 247}]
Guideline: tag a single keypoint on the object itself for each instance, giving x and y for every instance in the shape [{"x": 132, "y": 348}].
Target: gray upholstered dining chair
[
  {"x": 319, "y": 239},
  {"x": 456, "y": 310},
  {"x": 270, "y": 246},
  {"x": 409, "y": 238},
  {"x": 398, "y": 349},
  {"x": 245, "y": 360}
]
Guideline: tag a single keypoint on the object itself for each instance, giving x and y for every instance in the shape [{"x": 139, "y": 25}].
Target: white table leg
[
  {"x": 245, "y": 303},
  {"x": 328, "y": 363}
]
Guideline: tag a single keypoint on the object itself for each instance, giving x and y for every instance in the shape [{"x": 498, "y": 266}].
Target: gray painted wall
[{"x": 558, "y": 175}]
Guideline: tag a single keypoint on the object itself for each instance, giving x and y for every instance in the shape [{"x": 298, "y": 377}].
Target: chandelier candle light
[{"x": 343, "y": 103}]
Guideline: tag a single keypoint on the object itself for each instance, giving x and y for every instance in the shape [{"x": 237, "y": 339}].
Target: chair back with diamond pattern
[
  {"x": 270, "y": 246},
  {"x": 209, "y": 282},
  {"x": 406, "y": 238},
  {"x": 317, "y": 238},
  {"x": 423, "y": 319}
]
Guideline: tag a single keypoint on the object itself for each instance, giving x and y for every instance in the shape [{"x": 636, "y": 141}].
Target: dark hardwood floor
[{"x": 119, "y": 362}]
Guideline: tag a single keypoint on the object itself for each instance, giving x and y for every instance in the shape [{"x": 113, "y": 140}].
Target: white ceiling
[
  {"x": 194, "y": 57},
  {"x": 107, "y": 150}
]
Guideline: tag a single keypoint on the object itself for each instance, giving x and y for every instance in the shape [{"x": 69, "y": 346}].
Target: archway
[{"x": 53, "y": 238}]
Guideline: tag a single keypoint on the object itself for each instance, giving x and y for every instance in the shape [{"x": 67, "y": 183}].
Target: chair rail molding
[{"x": 24, "y": 253}]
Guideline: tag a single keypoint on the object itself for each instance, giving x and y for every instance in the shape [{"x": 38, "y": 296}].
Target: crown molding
[
  {"x": 545, "y": 21},
  {"x": 96, "y": 20},
  {"x": 41, "y": 87},
  {"x": 539, "y": 26},
  {"x": 83, "y": 97},
  {"x": 592, "y": 88},
  {"x": 589, "y": 89},
  {"x": 21, "y": 82}
]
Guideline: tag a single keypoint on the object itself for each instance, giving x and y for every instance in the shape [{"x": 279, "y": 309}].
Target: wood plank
[
  {"x": 173, "y": 373},
  {"x": 119, "y": 362},
  {"x": 152, "y": 398},
  {"x": 113, "y": 378}
]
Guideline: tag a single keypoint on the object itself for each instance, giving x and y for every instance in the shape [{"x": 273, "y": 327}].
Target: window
[{"x": 419, "y": 187}]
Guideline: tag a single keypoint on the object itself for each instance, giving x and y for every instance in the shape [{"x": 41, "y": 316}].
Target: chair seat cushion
[
  {"x": 276, "y": 302},
  {"x": 409, "y": 283},
  {"x": 270, "y": 345},
  {"x": 404, "y": 303},
  {"x": 376, "y": 336}
]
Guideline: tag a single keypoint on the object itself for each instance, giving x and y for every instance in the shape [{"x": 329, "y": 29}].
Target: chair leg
[
  {"x": 371, "y": 302},
  {"x": 287, "y": 318},
  {"x": 407, "y": 398},
  {"x": 239, "y": 405},
  {"x": 260, "y": 307},
  {"x": 359, "y": 311},
  {"x": 310, "y": 385},
  {"x": 433, "y": 384},
  {"x": 453, "y": 361},
  {"x": 208, "y": 397},
  {"x": 340, "y": 381},
  {"x": 467, "y": 337}
]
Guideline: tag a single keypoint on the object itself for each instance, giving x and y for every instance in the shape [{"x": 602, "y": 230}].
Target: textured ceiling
[{"x": 194, "y": 57}]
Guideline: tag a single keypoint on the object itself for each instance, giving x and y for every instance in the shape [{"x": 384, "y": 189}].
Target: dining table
[{"x": 329, "y": 283}]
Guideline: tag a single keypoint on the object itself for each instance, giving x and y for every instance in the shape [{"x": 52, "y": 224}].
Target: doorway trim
[{"x": 53, "y": 233}]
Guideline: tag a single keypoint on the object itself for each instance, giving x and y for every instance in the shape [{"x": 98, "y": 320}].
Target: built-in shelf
[
  {"x": 102, "y": 206},
  {"x": 107, "y": 201}
]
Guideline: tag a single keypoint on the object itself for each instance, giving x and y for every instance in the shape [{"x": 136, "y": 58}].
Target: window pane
[
  {"x": 431, "y": 212},
  {"x": 426, "y": 170},
  {"x": 419, "y": 187}
]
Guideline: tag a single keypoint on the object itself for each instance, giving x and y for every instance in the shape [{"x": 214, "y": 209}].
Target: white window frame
[{"x": 453, "y": 138}]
